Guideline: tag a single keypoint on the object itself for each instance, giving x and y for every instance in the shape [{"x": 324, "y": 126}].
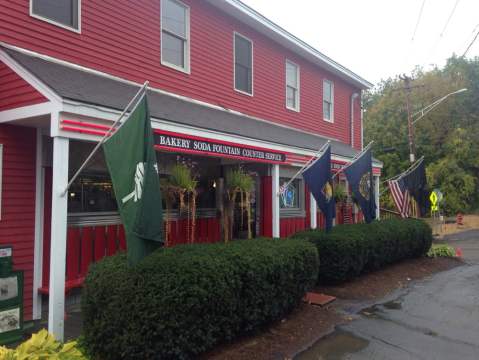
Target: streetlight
[{"x": 430, "y": 107}]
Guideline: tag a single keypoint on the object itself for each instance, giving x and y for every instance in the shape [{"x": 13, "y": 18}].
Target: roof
[
  {"x": 90, "y": 88},
  {"x": 260, "y": 23}
]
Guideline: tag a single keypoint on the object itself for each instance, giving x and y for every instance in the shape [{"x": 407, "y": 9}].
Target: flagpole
[
  {"x": 95, "y": 149},
  {"x": 307, "y": 165},
  {"x": 409, "y": 169},
  {"x": 355, "y": 158}
]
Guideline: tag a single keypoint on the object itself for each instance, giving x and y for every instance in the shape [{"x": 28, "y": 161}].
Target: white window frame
[
  {"x": 56, "y": 23},
  {"x": 332, "y": 100},
  {"x": 234, "y": 63},
  {"x": 187, "y": 68},
  {"x": 298, "y": 85},
  {"x": 1, "y": 178}
]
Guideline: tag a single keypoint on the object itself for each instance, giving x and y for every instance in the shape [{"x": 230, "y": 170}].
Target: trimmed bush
[
  {"x": 349, "y": 250},
  {"x": 181, "y": 301}
]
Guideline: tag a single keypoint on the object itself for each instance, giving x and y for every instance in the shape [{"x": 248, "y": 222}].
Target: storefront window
[
  {"x": 92, "y": 191},
  {"x": 290, "y": 196}
]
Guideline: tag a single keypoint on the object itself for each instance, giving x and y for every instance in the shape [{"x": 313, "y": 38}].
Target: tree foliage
[{"x": 447, "y": 137}]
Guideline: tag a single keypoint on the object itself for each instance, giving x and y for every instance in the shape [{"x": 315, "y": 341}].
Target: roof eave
[{"x": 260, "y": 23}]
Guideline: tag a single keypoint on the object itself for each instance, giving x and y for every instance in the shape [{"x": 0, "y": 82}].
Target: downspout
[{"x": 353, "y": 97}]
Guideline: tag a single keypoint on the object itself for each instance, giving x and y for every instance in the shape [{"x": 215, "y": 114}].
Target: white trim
[
  {"x": 26, "y": 112},
  {"x": 353, "y": 97},
  {"x": 56, "y": 23},
  {"x": 1, "y": 179},
  {"x": 376, "y": 196},
  {"x": 332, "y": 101},
  {"x": 56, "y": 303},
  {"x": 38, "y": 248},
  {"x": 156, "y": 90},
  {"x": 298, "y": 85},
  {"x": 234, "y": 64},
  {"x": 275, "y": 218},
  {"x": 249, "y": 16},
  {"x": 30, "y": 78},
  {"x": 313, "y": 211},
  {"x": 187, "y": 68}
]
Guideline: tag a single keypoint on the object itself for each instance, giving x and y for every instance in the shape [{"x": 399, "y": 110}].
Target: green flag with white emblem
[{"x": 131, "y": 160}]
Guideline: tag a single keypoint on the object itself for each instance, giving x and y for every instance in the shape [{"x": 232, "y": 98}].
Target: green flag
[{"x": 131, "y": 160}]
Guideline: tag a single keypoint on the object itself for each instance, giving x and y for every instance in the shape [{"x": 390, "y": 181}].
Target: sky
[{"x": 378, "y": 39}]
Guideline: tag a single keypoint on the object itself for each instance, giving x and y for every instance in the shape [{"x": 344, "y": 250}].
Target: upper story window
[
  {"x": 292, "y": 86},
  {"x": 243, "y": 57},
  {"x": 175, "y": 34},
  {"x": 63, "y": 13},
  {"x": 328, "y": 100}
]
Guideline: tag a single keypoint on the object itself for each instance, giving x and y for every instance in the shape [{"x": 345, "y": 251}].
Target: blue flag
[
  {"x": 318, "y": 179},
  {"x": 360, "y": 178}
]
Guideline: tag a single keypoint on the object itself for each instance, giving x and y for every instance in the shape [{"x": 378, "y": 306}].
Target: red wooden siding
[
  {"x": 88, "y": 244},
  {"x": 17, "y": 225},
  {"x": 16, "y": 92},
  {"x": 117, "y": 35}
]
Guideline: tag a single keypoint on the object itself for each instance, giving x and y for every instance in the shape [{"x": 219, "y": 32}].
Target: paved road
[{"x": 434, "y": 319}]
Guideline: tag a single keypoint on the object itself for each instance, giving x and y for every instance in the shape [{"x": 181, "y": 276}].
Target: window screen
[
  {"x": 243, "y": 64},
  {"x": 64, "y": 12},
  {"x": 174, "y": 37}
]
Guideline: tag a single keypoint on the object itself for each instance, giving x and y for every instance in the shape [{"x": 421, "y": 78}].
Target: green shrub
[
  {"x": 349, "y": 250},
  {"x": 441, "y": 250},
  {"x": 182, "y": 301}
]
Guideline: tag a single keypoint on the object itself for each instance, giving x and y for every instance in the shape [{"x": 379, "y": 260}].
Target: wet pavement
[{"x": 437, "y": 318}]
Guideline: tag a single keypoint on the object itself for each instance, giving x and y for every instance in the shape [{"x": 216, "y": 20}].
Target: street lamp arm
[{"x": 430, "y": 107}]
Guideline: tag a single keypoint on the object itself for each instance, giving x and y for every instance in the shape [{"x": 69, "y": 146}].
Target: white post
[
  {"x": 376, "y": 195},
  {"x": 313, "y": 211},
  {"x": 275, "y": 203},
  {"x": 56, "y": 306},
  {"x": 38, "y": 247}
]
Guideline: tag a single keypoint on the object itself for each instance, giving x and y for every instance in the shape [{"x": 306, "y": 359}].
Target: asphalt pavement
[{"x": 437, "y": 318}]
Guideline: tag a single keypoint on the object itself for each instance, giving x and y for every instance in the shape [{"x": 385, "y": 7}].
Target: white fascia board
[
  {"x": 26, "y": 112},
  {"x": 260, "y": 23},
  {"x": 26, "y": 75}
]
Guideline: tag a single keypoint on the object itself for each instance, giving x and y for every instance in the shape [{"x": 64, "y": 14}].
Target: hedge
[
  {"x": 181, "y": 301},
  {"x": 349, "y": 250}
]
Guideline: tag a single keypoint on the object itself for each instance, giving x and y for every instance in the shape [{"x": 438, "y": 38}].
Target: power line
[
  {"x": 418, "y": 20},
  {"x": 472, "y": 42},
  {"x": 449, "y": 18}
]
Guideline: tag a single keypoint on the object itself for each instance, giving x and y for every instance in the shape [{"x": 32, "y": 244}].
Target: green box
[
  {"x": 5, "y": 260},
  {"x": 11, "y": 307}
]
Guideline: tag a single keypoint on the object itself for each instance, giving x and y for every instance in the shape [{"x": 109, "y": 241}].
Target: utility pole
[{"x": 408, "y": 88}]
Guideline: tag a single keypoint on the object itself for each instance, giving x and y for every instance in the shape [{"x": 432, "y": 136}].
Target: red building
[{"x": 227, "y": 87}]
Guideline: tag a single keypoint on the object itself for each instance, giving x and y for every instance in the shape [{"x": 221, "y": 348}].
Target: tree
[{"x": 447, "y": 137}]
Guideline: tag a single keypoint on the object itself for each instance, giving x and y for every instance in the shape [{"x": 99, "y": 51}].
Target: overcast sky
[{"x": 374, "y": 38}]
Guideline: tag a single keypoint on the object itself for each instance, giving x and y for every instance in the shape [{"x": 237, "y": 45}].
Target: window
[
  {"x": 64, "y": 13},
  {"x": 243, "y": 57},
  {"x": 290, "y": 196},
  {"x": 292, "y": 86},
  {"x": 328, "y": 101},
  {"x": 175, "y": 33}
]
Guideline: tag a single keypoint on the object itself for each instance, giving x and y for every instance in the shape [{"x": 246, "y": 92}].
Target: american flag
[{"x": 400, "y": 196}]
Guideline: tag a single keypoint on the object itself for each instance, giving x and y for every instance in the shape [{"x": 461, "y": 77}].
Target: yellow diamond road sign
[{"x": 433, "y": 198}]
